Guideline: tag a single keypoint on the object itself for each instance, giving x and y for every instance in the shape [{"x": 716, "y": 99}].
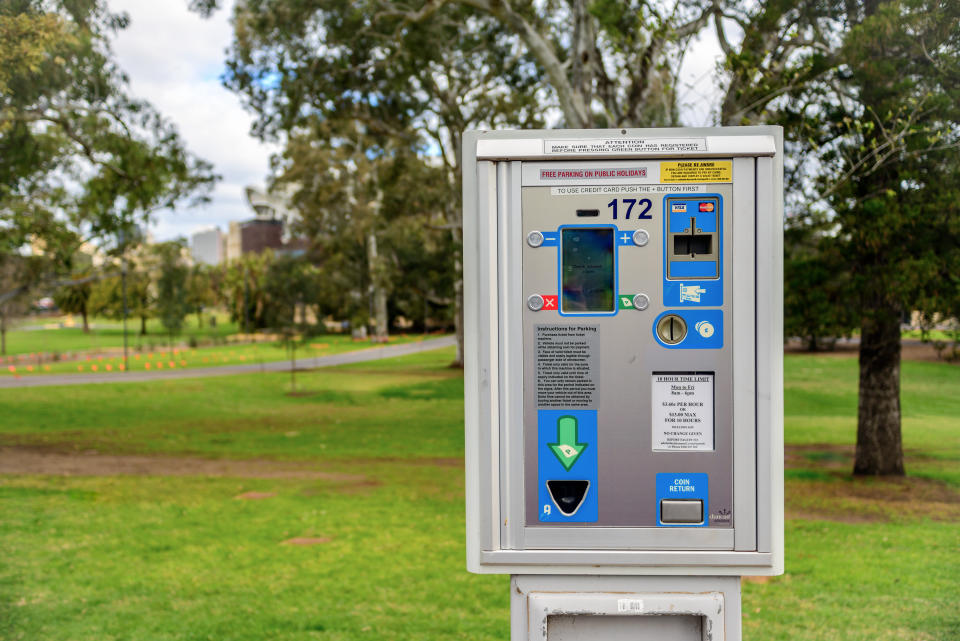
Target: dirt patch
[
  {"x": 910, "y": 350},
  {"x": 43, "y": 461},
  {"x": 833, "y": 493},
  {"x": 307, "y": 540},
  {"x": 255, "y": 496}
]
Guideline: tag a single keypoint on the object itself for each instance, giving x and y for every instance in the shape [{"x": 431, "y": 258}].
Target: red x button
[{"x": 550, "y": 302}]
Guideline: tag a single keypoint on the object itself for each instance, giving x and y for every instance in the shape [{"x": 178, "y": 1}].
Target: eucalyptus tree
[
  {"x": 880, "y": 141},
  {"x": 80, "y": 158},
  {"x": 420, "y": 82}
]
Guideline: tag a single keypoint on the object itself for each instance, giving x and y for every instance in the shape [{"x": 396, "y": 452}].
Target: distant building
[
  {"x": 233, "y": 241},
  {"x": 206, "y": 246},
  {"x": 259, "y": 234}
]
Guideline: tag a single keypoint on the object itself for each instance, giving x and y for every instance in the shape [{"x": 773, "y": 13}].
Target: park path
[{"x": 358, "y": 356}]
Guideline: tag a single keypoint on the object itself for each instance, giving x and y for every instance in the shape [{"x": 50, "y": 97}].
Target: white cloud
[{"x": 174, "y": 59}]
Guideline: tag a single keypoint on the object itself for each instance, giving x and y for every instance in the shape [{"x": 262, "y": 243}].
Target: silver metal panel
[
  {"x": 770, "y": 356},
  {"x": 642, "y": 615},
  {"x": 529, "y": 145},
  {"x": 476, "y": 481},
  {"x": 511, "y": 354},
  {"x": 628, "y": 562},
  {"x": 620, "y": 598},
  {"x": 744, "y": 361},
  {"x": 622, "y": 538},
  {"x": 489, "y": 367},
  {"x": 590, "y": 627},
  {"x": 742, "y": 145},
  {"x": 681, "y": 510},
  {"x": 628, "y": 464},
  {"x": 487, "y": 350}
]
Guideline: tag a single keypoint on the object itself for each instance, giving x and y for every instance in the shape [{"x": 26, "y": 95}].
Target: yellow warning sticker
[{"x": 697, "y": 171}]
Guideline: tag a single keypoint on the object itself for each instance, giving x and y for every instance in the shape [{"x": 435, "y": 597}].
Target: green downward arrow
[{"x": 566, "y": 449}]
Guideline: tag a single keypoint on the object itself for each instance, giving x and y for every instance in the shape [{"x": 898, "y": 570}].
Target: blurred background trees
[{"x": 368, "y": 99}]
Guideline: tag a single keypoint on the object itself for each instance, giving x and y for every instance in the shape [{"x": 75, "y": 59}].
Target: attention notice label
[
  {"x": 623, "y": 145},
  {"x": 567, "y": 365},
  {"x": 682, "y": 412},
  {"x": 697, "y": 171}
]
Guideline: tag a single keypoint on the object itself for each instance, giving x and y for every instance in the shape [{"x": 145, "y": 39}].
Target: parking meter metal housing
[{"x": 623, "y": 315}]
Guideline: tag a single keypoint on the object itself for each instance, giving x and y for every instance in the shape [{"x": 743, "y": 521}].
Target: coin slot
[
  {"x": 671, "y": 329},
  {"x": 588, "y": 213}
]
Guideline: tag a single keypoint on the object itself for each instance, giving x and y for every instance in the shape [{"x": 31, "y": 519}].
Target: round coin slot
[{"x": 671, "y": 329}]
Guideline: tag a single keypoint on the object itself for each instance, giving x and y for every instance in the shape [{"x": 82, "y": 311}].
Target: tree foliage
[
  {"x": 880, "y": 137},
  {"x": 80, "y": 158}
]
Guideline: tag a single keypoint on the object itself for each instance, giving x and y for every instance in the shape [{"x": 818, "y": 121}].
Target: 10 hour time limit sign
[{"x": 682, "y": 412}]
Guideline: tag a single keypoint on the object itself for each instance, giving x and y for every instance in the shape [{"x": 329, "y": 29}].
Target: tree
[
  {"x": 106, "y": 297},
  {"x": 200, "y": 292},
  {"x": 289, "y": 287},
  {"x": 171, "y": 280},
  {"x": 80, "y": 159},
  {"x": 74, "y": 297},
  {"x": 244, "y": 289},
  {"x": 420, "y": 82},
  {"x": 884, "y": 130}
]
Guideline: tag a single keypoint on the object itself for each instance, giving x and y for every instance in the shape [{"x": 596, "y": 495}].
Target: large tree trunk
[
  {"x": 379, "y": 291},
  {"x": 86, "y": 324},
  {"x": 143, "y": 325},
  {"x": 879, "y": 446}
]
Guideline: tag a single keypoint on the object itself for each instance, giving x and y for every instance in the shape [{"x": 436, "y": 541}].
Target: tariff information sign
[{"x": 682, "y": 412}]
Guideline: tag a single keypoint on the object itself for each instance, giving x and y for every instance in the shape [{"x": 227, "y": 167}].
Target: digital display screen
[{"x": 587, "y": 270}]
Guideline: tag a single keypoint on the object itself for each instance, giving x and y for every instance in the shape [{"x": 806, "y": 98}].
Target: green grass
[
  {"x": 181, "y": 558},
  {"x": 106, "y": 334},
  {"x": 188, "y": 358}
]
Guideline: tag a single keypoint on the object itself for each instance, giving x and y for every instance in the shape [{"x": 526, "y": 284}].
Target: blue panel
[
  {"x": 684, "y": 486},
  {"x": 555, "y": 456},
  {"x": 704, "y": 328},
  {"x": 551, "y": 239},
  {"x": 690, "y": 269},
  {"x": 704, "y": 293}
]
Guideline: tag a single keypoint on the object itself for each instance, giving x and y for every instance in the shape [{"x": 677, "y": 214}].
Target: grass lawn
[
  {"x": 46, "y": 336},
  {"x": 187, "y": 358},
  {"x": 342, "y": 516}
]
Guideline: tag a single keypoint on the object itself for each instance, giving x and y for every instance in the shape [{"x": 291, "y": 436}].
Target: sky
[{"x": 175, "y": 58}]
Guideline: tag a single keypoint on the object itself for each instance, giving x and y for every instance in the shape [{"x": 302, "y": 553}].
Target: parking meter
[{"x": 623, "y": 383}]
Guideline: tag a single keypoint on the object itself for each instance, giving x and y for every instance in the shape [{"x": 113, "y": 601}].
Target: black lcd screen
[{"x": 587, "y": 270}]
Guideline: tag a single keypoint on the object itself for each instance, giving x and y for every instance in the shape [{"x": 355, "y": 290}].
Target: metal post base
[{"x": 624, "y": 608}]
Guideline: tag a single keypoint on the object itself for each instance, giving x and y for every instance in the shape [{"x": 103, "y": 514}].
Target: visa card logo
[
  {"x": 679, "y": 208},
  {"x": 706, "y": 206}
]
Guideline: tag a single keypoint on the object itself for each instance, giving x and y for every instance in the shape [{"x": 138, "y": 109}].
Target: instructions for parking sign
[{"x": 682, "y": 412}]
